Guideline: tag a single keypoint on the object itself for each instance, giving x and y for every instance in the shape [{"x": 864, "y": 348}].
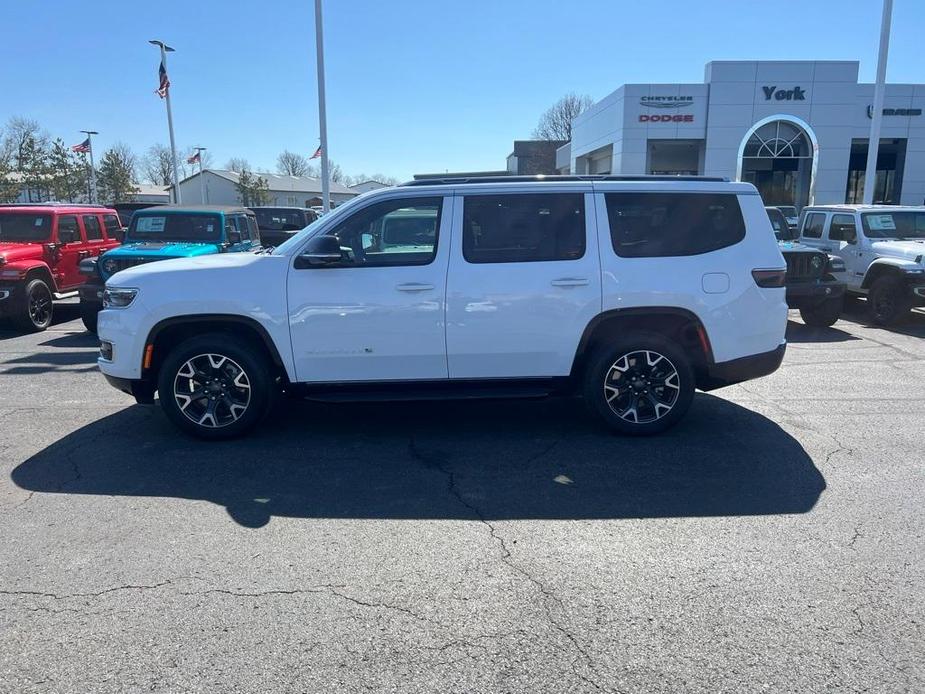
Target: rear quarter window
[{"x": 659, "y": 225}]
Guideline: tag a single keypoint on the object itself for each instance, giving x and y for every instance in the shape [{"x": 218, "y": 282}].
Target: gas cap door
[{"x": 715, "y": 283}]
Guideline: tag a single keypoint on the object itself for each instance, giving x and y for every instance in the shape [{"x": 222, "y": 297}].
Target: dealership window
[
  {"x": 813, "y": 224},
  {"x": 655, "y": 225},
  {"x": 523, "y": 228}
]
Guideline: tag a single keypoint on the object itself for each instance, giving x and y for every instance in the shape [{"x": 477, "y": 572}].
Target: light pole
[
  {"x": 202, "y": 189},
  {"x": 876, "y": 116},
  {"x": 322, "y": 116},
  {"x": 165, "y": 49},
  {"x": 93, "y": 194}
]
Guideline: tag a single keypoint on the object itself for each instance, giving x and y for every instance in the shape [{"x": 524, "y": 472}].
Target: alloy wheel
[
  {"x": 212, "y": 390},
  {"x": 40, "y": 307},
  {"x": 642, "y": 386}
]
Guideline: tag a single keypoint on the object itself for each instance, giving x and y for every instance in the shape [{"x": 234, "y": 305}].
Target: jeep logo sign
[{"x": 795, "y": 94}]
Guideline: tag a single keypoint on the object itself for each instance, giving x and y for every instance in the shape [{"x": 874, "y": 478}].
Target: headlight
[
  {"x": 118, "y": 297},
  {"x": 836, "y": 264},
  {"x": 816, "y": 262}
]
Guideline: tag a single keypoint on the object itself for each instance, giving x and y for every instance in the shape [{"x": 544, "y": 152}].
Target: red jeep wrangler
[{"x": 40, "y": 249}]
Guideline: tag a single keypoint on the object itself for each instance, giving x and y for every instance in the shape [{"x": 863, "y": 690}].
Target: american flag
[
  {"x": 161, "y": 91},
  {"x": 317, "y": 153},
  {"x": 82, "y": 148},
  {"x": 193, "y": 159}
]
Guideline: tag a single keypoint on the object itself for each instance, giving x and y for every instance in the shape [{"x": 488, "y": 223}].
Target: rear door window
[
  {"x": 813, "y": 224},
  {"x": 523, "y": 228},
  {"x": 68, "y": 229},
  {"x": 657, "y": 225}
]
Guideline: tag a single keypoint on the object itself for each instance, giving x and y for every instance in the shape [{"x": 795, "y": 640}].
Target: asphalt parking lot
[{"x": 771, "y": 542}]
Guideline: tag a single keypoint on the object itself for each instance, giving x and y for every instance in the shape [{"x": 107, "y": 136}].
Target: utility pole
[
  {"x": 876, "y": 116},
  {"x": 165, "y": 49},
  {"x": 322, "y": 116},
  {"x": 202, "y": 188},
  {"x": 93, "y": 195}
]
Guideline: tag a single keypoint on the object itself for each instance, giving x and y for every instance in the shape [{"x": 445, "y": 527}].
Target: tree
[
  {"x": 21, "y": 137},
  {"x": 116, "y": 176},
  {"x": 68, "y": 173},
  {"x": 10, "y": 187},
  {"x": 252, "y": 190},
  {"x": 362, "y": 177},
  {"x": 237, "y": 164},
  {"x": 556, "y": 122},
  {"x": 293, "y": 164},
  {"x": 31, "y": 158},
  {"x": 157, "y": 165},
  {"x": 187, "y": 169},
  {"x": 335, "y": 172}
]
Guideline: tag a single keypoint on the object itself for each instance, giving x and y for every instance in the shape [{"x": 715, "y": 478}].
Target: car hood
[
  {"x": 164, "y": 249},
  {"x": 795, "y": 247},
  {"x": 909, "y": 250},
  {"x": 21, "y": 251},
  {"x": 177, "y": 266}
]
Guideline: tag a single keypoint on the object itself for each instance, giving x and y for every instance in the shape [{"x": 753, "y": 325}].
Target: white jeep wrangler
[
  {"x": 883, "y": 247},
  {"x": 630, "y": 291}
]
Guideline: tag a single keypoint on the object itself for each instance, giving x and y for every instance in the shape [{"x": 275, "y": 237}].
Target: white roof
[{"x": 280, "y": 183}]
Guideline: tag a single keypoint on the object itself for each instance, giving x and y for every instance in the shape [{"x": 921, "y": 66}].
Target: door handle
[
  {"x": 414, "y": 287},
  {"x": 83, "y": 254},
  {"x": 827, "y": 249},
  {"x": 571, "y": 282}
]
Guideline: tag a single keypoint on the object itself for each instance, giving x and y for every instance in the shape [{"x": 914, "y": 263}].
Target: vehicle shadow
[
  {"x": 912, "y": 325},
  {"x": 488, "y": 460},
  {"x": 800, "y": 332},
  {"x": 64, "y": 312}
]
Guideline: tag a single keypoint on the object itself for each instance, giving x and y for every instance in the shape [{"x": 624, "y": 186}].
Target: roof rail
[
  {"x": 472, "y": 180},
  {"x": 52, "y": 203}
]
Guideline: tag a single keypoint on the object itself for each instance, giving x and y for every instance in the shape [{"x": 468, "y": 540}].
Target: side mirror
[{"x": 321, "y": 251}]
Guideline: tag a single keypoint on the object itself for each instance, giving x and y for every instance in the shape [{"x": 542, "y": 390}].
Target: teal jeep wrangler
[{"x": 162, "y": 233}]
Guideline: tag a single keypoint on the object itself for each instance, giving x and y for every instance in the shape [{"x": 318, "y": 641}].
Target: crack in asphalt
[
  {"x": 432, "y": 462},
  {"x": 68, "y": 596}
]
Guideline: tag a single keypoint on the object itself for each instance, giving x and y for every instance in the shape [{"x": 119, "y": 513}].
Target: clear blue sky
[{"x": 413, "y": 85}]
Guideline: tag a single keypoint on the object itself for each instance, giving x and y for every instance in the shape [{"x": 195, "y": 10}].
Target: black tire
[
  {"x": 36, "y": 309},
  {"x": 887, "y": 301},
  {"x": 205, "y": 359},
  {"x": 823, "y": 315},
  {"x": 662, "y": 377},
  {"x": 89, "y": 314}
]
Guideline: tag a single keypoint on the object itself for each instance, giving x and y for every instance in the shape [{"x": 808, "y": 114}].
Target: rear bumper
[
  {"x": 814, "y": 292},
  {"x": 743, "y": 369}
]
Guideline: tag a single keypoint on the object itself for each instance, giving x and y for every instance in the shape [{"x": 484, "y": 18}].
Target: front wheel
[
  {"x": 37, "y": 307},
  {"x": 639, "y": 385},
  {"x": 887, "y": 301},
  {"x": 822, "y": 315},
  {"x": 89, "y": 314},
  {"x": 215, "y": 386}
]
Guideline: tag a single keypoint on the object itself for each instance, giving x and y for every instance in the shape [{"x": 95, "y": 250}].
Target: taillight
[{"x": 770, "y": 278}]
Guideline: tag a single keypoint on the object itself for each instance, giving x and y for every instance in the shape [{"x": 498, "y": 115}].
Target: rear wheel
[
  {"x": 215, "y": 386},
  {"x": 88, "y": 314},
  {"x": 37, "y": 308},
  {"x": 640, "y": 385},
  {"x": 824, "y": 314},
  {"x": 887, "y": 301}
]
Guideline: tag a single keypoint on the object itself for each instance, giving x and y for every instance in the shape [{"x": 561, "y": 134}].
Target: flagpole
[
  {"x": 173, "y": 145},
  {"x": 873, "y": 141},
  {"x": 94, "y": 196},
  {"x": 322, "y": 115},
  {"x": 202, "y": 185}
]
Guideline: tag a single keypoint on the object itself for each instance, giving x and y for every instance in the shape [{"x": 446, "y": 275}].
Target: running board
[
  {"x": 65, "y": 295},
  {"x": 427, "y": 390}
]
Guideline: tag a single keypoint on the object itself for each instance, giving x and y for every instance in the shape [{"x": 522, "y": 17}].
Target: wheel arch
[
  {"x": 677, "y": 324},
  {"x": 878, "y": 269},
  {"x": 172, "y": 331},
  {"x": 39, "y": 271}
]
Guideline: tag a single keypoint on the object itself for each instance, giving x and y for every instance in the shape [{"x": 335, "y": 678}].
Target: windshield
[
  {"x": 280, "y": 220},
  {"x": 175, "y": 227},
  {"x": 782, "y": 230},
  {"x": 21, "y": 226},
  {"x": 894, "y": 225},
  {"x": 788, "y": 211}
]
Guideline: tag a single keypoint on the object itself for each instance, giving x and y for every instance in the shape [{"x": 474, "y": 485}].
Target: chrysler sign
[{"x": 666, "y": 101}]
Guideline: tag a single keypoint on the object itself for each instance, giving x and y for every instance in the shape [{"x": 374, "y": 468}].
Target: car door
[
  {"x": 524, "y": 282},
  {"x": 374, "y": 309},
  {"x": 813, "y": 225},
  {"x": 96, "y": 242},
  {"x": 71, "y": 249},
  {"x": 842, "y": 236}
]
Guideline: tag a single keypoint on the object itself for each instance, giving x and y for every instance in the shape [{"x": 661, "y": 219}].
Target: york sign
[{"x": 795, "y": 94}]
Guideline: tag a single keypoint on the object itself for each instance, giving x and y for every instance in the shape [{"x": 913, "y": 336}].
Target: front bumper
[
  {"x": 92, "y": 293},
  {"x": 743, "y": 369},
  {"x": 814, "y": 292},
  {"x": 918, "y": 294},
  {"x": 141, "y": 390},
  {"x": 8, "y": 302}
]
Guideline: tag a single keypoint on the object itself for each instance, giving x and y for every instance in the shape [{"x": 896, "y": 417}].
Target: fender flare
[{"x": 25, "y": 267}]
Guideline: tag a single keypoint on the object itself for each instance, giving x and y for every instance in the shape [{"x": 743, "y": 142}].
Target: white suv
[
  {"x": 883, "y": 247},
  {"x": 630, "y": 291}
]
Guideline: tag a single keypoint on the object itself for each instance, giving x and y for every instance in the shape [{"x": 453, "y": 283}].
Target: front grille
[
  {"x": 122, "y": 263},
  {"x": 800, "y": 266}
]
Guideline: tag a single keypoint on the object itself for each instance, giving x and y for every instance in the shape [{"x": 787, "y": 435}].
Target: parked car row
[{"x": 51, "y": 252}]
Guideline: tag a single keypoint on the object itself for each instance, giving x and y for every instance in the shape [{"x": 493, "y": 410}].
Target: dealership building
[{"x": 798, "y": 130}]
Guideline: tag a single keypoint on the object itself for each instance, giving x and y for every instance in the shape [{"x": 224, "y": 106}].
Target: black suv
[
  {"x": 277, "y": 224},
  {"x": 812, "y": 286}
]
